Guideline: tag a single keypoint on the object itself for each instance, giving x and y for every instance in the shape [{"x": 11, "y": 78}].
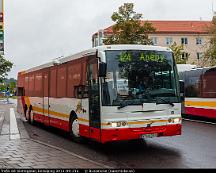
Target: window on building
[
  {"x": 96, "y": 41},
  {"x": 154, "y": 40},
  {"x": 169, "y": 40},
  {"x": 101, "y": 36},
  {"x": 101, "y": 41},
  {"x": 199, "y": 40},
  {"x": 200, "y": 55},
  {"x": 185, "y": 55},
  {"x": 184, "y": 40}
]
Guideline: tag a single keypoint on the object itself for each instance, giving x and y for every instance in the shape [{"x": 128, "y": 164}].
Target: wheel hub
[{"x": 75, "y": 128}]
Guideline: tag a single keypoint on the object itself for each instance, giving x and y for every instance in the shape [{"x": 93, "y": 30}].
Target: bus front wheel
[{"x": 74, "y": 129}]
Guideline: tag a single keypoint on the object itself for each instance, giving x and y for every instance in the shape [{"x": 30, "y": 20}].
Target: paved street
[
  {"x": 194, "y": 149},
  {"x": 24, "y": 152}
]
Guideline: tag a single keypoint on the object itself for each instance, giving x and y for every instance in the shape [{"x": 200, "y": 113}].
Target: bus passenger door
[
  {"x": 46, "y": 97},
  {"x": 94, "y": 99}
]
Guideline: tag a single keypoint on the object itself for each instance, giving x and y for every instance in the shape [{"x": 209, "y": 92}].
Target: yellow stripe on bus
[
  {"x": 201, "y": 103},
  {"x": 41, "y": 110},
  {"x": 85, "y": 120},
  {"x": 146, "y": 122},
  {"x": 27, "y": 100},
  {"x": 139, "y": 122}
]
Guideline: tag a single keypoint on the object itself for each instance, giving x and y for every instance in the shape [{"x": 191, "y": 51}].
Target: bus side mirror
[
  {"x": 181, "y": 83},
  {"x": 182, "y": 96},
  {"x": 102, "y": 69},
  {"x": 81, "y": 91}
]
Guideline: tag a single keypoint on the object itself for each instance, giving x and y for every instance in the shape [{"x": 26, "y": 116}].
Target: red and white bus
[
  {"x": 200, "y": 91},
  {"x": 107, "y": 93}
]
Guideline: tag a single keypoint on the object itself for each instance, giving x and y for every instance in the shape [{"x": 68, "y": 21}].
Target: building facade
[{"x": 193, "y": 35}]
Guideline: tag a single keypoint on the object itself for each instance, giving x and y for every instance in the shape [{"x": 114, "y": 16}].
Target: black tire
[
  {"x": 75, "y": 136},
  {"x": 25, "y": 111}
]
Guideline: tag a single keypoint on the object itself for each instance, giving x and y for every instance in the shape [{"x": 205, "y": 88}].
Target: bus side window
[
  {"x": 81, "y": 92},
  {"x": 20, "y": 91}
]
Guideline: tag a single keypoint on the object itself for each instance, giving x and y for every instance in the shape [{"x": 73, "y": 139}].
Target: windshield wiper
[
  {"x": 167, "y": 94},
  {"x": 165, "y": 101},
  {"x": 122, "y": 105}
]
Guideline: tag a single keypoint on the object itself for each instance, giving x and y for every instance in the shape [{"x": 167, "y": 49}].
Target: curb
[
  {"x": 68, "y": 152},
  {"x": 1, "y": 121},
  {"x": 199, "y": 121},
  {"x": 73, "y": 154}
]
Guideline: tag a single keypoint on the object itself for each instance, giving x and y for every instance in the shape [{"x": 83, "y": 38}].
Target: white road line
[
  {"x": 199, "y": 121},
  {"x": 14, "y": 132}
]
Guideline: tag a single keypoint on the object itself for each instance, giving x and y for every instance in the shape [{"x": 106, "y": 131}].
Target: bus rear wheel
[
  {"x": 25, "y": 112},
  {"x": 74, "y": 130},
  {"x": 30, "y": 117}
]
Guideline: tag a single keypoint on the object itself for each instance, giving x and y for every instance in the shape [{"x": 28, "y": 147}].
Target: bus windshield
[{"x": 139, "y": 76}]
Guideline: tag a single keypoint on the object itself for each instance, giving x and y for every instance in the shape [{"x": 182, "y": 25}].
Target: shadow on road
[{"x": 127, "y": 154}]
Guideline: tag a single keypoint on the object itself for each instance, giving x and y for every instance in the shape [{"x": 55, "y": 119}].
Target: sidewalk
[
  {"x": 27, "y": 153},
  {"x": 1, "y": 119}
]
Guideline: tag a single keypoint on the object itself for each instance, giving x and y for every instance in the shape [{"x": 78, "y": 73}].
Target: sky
[{"x": 37, "y": 31}]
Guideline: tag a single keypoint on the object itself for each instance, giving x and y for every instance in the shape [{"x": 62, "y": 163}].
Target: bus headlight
[
  {"x": 118, "y": 124},
  {"x": 174, "y": 120},
  {"x": 114, "y": 124},
  {"x": 177, "y": 120}
]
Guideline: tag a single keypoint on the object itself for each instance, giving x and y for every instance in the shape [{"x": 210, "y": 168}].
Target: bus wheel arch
[{"x": 74, "y": 127}]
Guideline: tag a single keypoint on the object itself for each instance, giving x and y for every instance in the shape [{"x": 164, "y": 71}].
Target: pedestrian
[{"x": 7, "y": 94}]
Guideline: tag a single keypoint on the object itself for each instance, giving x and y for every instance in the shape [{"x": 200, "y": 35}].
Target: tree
[
  {"x": 128, "y": 28},
  {"x": 210, "y": 54},
  {"x": 5, "y": 67},
  {"x": 12, "y": 87},
  {"x": 177, "y": 51}
]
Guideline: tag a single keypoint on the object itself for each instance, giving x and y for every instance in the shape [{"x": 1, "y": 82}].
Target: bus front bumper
[{"x": 120, "y": 134}]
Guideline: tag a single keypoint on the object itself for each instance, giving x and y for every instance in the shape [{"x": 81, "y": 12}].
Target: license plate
[{"x": 149, "y": 135}]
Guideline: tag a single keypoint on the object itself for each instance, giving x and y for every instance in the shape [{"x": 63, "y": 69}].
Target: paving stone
[{"x": 26, "y": 153}]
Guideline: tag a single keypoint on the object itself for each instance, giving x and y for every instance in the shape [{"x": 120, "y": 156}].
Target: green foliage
[
  {"x": 210, "y": 54},
  {"x": 2, "y": 88},
  {"x": 128, "y": 28},
  {"x": 10, "y": 84},
  {"x": 12, "y": 87},
  {"x": 5, "y": 67},
  {"x": 177, "y": 51}
]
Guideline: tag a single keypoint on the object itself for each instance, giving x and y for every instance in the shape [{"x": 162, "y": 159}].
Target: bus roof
[{"x": 92, "y": 51}]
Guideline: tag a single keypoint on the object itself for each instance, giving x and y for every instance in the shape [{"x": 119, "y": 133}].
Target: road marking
[
  {"x": 14, "y": 132},
  {"x": 1, "y": 121},
  {"x": 199, "y": 121}
]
